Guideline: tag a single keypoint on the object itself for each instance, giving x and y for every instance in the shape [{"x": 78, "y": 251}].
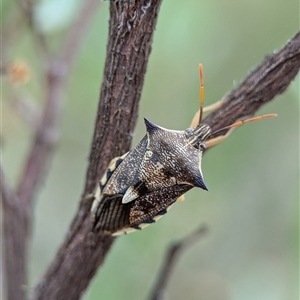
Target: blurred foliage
[{"x": 252, "y": 206}]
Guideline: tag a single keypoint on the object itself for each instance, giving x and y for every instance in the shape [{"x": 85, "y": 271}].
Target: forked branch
[
  {"x": 268, "y": 80},
  {"x": 132, "y": 24},
  {"x": 17, "y": 205},
  {"x": 170, "y": 260},
  {"x": 83, "y": 252}
]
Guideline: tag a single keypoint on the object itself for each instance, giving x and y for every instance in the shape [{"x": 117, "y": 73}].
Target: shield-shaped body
[{"x": 139, "y": 187}]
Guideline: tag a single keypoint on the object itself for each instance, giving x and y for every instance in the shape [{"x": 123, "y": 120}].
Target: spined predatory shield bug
[{"x": 139, "y": 187}]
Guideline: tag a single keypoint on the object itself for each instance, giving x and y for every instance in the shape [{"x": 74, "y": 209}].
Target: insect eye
[
  {"x": 202, "y": 146},
  {"x": 189, "y": 131}
]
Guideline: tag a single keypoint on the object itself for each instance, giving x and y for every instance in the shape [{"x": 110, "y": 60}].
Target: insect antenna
[
  {"x": 242, "y": 122},
  {"x": 201, "y": 92}
]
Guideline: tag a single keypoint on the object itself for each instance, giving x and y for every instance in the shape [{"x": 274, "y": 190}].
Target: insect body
[{"x": 139, "y": 187}]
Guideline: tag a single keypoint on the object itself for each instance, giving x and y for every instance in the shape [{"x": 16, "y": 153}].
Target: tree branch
[
  {"x": 45, "y": 137},
  {"x": 131, "y": 29},
  {"x": 47, "y": 132},
  {"x": 170, "y": 260},
  {"x": 14, "y": 254},
  {"x": 78, "y": 31},
  {"x": 130, "y": 34},
  {"x": 27, "y": 9},
  {"x": 132, "y": 24},
  {"x": 268, "y": 80},
  {"x": 18, "y": 207}
]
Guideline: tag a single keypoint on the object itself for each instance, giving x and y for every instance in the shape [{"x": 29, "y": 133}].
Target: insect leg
[
  {"x": 219, "y": 139},
  {"x": 208, "y": 108}
]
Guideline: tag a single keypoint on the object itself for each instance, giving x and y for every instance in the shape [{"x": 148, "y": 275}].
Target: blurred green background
[{"x": 251, "y": 209}]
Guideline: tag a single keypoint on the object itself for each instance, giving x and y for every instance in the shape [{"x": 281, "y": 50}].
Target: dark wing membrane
[
  {"x": 126, "y": 174},
  {"x": 111, "y": 215},
  {"x": 145, "y": 208}
]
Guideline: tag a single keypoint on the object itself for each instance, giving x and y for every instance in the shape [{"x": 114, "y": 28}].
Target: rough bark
[
  {"x": 130, "y": 35},
  {"x": 132, "y": 24},
  {"x": 14, "y": 261},
  {"x": 17, "y": 205},
  {"x": 268, "y": 80},
  {"x": 83, "y": 252}
]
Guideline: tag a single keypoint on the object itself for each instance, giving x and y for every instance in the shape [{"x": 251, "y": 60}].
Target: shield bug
[{"x": 140, "y": 187}]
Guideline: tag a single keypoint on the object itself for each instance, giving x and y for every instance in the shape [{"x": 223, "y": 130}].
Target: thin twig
[
  {"x": 269, "y": 79},
  {"x": 17, "y": 220},
  {"x": 132, "y": 25},
  {"x": 170, "y": 260},
  {"x": 48, "y": 129},
  {"x": 83, "y": 252},
  {"x": 78, "y": 31},
  {"x": 14, "y": 252},
  {"x": 45, "y": 137},
  {"x": 27, "y": 8},
  {"x": 47, "y": 132}
]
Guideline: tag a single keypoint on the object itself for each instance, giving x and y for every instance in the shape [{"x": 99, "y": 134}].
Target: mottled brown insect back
[
  {"x": 179, "y": 153},
  {"x": 139, "y": 187}
]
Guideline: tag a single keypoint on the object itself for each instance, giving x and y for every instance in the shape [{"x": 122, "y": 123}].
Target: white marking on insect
[{"x": 130, "y": 195}]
